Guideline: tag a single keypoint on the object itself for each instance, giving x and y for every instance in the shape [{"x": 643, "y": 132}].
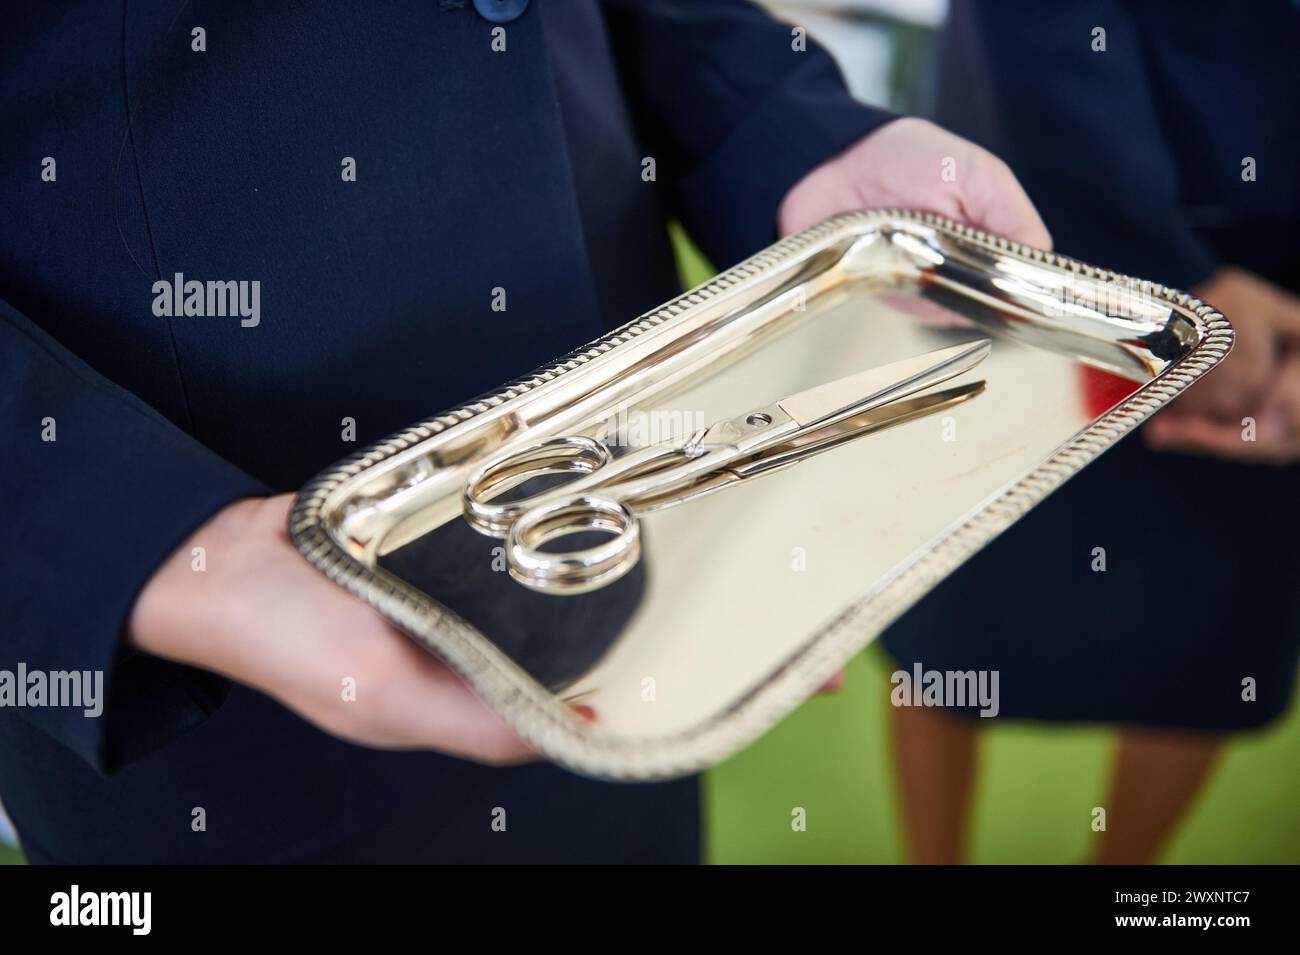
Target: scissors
[{"x": 609, "y": 492}]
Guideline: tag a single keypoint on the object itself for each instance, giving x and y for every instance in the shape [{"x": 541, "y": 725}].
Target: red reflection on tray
[{"x": 1103, "y": 390}]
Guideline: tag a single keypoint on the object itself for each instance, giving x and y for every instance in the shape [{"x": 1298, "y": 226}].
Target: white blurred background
[{"x": 884, "y": 47}]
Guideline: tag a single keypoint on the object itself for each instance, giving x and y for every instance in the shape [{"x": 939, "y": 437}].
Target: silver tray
[{"x": 748, "y": 600}]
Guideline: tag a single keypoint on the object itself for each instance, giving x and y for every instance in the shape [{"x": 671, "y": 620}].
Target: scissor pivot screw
[{"x": 758, "y": 419}]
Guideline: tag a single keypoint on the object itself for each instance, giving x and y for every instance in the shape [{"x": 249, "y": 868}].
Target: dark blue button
[{"x": 500, "y": 11}]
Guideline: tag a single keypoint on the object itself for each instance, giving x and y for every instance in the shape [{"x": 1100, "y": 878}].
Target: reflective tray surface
[{"x": 746, "y": 600}]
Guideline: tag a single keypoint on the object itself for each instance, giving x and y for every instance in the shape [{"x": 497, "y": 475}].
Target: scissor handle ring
[
  {"x": 573, "y": 571},
  {"x": 570, "y": 454}
]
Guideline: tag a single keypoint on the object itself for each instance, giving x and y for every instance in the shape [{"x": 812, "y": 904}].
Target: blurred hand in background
[{"x": 1259, "y": 380}]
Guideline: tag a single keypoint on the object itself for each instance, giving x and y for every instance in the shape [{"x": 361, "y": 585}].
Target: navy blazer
[{"x": 476, "y": 170}]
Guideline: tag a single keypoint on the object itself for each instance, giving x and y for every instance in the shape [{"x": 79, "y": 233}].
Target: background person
[{"x": 1137, "y": 155}]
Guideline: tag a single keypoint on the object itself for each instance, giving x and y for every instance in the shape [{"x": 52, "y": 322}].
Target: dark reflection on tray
[{"x": 556, "y": 639}]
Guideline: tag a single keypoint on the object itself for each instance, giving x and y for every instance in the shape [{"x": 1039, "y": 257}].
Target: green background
[{"x": 1036, "y": 792}]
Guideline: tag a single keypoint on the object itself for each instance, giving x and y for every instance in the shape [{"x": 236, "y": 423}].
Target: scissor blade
[
  {"x": 808, "y": 443},
  {"x": 870, "y": 389}
]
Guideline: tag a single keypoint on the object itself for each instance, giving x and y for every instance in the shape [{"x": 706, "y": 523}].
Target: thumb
[{"x": 997, "y": 203}]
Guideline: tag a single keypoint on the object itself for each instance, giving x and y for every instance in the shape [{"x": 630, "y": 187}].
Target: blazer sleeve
[
  {"x": 733, "y": 114},
  {"x": 98, "y": 489},
  {"x": 1080, "y": 127}
]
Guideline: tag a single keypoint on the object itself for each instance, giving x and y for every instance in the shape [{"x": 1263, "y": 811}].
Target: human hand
[
  {"x": 1259, "y": 380},
  {"x": 901, "y": 165},
  {"x": 260, "y": 614}
]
